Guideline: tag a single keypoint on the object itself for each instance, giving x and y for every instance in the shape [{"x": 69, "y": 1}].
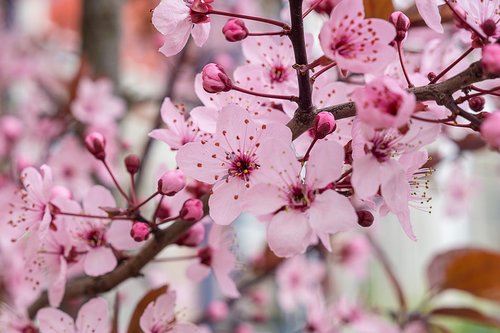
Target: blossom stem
[
  {"x": 144, "y": 202},
  {"x": 273, "y": 33},
  {"x": 175, "y": 258},
  {"x": 155, "y": 214},
  {"x": 284, "y": 26},
  {"x": 308, "y": 152},
  {"x": 322, "y": 70},
  {"x": 89, "y": 216},
  {"x": 453, "y": 64},
  {"x": 384, "y": 261},
  {"x": 313, "y": 6},
  {"x": 440, "y": 121},
  {"x": 401, "y": 61},
  {"x": 250, "y": 92},
  {"x": 345, "y": 174},
  {"x": 120, "y": 189},
  {"x": 133, "y": 192},
  {"x": 170, "y": 219}
]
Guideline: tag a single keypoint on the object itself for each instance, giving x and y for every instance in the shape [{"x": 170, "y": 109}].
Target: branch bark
[{"x": 440, "y": 93}]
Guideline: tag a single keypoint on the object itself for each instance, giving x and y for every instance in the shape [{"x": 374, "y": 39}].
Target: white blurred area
[{"x": 436, "y": 232}]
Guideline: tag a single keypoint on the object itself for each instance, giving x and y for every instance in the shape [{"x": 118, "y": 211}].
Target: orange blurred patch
[{"x": 66, "y": 13}]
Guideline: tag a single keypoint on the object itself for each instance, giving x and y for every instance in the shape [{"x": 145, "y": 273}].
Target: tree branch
[{"x": 440, "y": 93}]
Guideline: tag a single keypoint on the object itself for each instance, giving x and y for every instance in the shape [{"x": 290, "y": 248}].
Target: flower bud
[
  {"x": 490, "y": 129},
  {"x": 235, "y": 30},
  {"x": 132, "y": 163},
  {"x": 171, "y": 182},
  {"x": 140, "y": 231},
  {"x": 217, "y": 310},
  {"x": 402, "y": 23},
  {"x": 96, "y": 144},
  {"x": 323, "y": 124},
  {"x": 11, "y": 127},
  {"x": 476, "y": 103},
  {"x": 192, "y": 210},
  {"x": 491, "y": 58},
  {"x": 365, "y": 218},
  {"x": 214, "y": 79},
  {"x": 193, "y": 237}
]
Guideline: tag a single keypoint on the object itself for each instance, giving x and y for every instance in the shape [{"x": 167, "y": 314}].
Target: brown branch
[
  {"x": 91, "y": 286},
  {"x": 440, "y": 93}
]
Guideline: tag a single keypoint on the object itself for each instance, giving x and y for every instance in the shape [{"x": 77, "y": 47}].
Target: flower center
[
  {"x": 242, "y": 166},
  {"x": 300, "y": 197},
  {"x": 278, "y": 74},
  {"x": 489, "y": 27},
  {"x": 383, "y": 148},
  {"x": 205, "y": 256},
  {"x": 95, "y": 238}
]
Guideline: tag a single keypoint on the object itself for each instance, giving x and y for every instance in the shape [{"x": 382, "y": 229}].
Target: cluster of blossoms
[{"x": 272, "y": 140}]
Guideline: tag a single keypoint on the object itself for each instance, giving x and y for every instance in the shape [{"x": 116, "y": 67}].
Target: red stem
[
  {"x": 252, "y": 18},
  {"x": 274, "y": 33},
  {"x": 447, "y": 69},
  {"x": 89, "y": 216},
  {"x": 250, "y": 92},
  {"x": 120, "y": 189},
  {"x": 144, "y": 202},
  {"x": 306, "y": 155},
  {"x": 322, "y": 70},
  {"x": 313, "y": 6},
  {"x": 401, "y": 61}
]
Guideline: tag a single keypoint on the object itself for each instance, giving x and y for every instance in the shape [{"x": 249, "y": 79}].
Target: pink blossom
[
  {"x": 490, "y": 129},
  {"x": 230, "y": 161},
  {"x": 171, "y": 182},
  {"x": 319, "y": 317},
  {"x": 159, "y": 316},
  {"x": 140, "y": 231},
  {"x": 215, "y": 79},
  {"x": 491, "y": 58},
  {"x": 299, "y": 279},
  {"x": 218, "y": 257},
  {"x": 176, "y": 20},
  {"x": 179, "y": 130},
  {"x": 235, "y": 30},
  {"x": 303, "y": 208},
  {"x": 95, "y": 102},
  {"x": 384, "y": 104},
  {"x": 32, "y": 211},
  {"x": 192, "y": 210},
  {"x": 324, "y": 123},
  {"x": 92, "y": 317},
  {"x": 354, "y": 255},
  {"x": 482, "y": 16},
  {"x": 429, "y": 11},
  {"x": 357, "y": 44},
  {"x": 95, "y": 143}
]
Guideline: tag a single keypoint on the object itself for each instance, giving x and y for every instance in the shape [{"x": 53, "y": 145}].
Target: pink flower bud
[
  {"x": 193, "y": 237},
  {"x": 132, "y": 163},
  {"x": 217, "y": 310},
  {"x": 324, "y": 123},
  {"x": 11, "y": 127},
  {"x": 491, "y": 58},
  {"x": 215, "y": 79},
  {"x": 171, "y": 182},
  {"x": 140, "y": 231},
  {"x": 490, "y": 129},
  {"x": 192, "y": 210},
  {"x": 476, "y": 103},
  {"x": 235, "y": 30},
  {"x": 96, "y": 144},
  {"x": 402, "y": 23}
]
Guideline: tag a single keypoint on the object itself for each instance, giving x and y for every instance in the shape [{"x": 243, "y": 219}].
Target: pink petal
[
  {"x": 167, "y": 136},
  {"x": 223, "y": 263},
  {"x": 185, "y": 328},
  {"x": 118, "y": 235},
  {"x": 99, "y": 261},
  {"x": 93, "y": 316},
  {"x": 98, "y": 196},
  {"x": 325, "y": 163},
  {"x": 203, "y": 161},
  {"x": 429, "y": 11},
  {"x": 200, "y": 33},
  {"x": 168, "y": 14},
  {"x": 264, "y": 199},
  {"x": 54, "y": 321},
  {"x": 288, "y": 233},
  {"x": 57, "y": 287},
  {"x": 365, "y": 176},
  {"x": 225, "y": 201},
  {"x": 170, "y": 114},
  {"x": 220, "y": 236},
  {"x": 197, "y": 272},
  {"x": 330, "y": 213},
  {"x": 175, "y": 42},
  {"x": 205, "y": 118}
]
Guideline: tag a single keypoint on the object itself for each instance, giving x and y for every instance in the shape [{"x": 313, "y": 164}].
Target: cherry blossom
[
  {"x": 230, "y": 161},
  {"x": 159, "y": 316},
  {"x": 357, "y": 44},
  {"x": 217, "y": 256},
  {"x": 302, "y": 207},
  {"x": 177, "y": 19},
  {"x": 92, "y": 317},
  {"x": 429, "y": 11}
]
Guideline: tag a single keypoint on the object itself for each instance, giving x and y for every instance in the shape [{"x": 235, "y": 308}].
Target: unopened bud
[
  {"x": 192, "y": 210},
  {"x": 193, "y": 237},
  {"x": 365, "y": 218},
  {"x": 217, "y": 310},
  {"x": 235, "y": 30},
  {"x": 477, "y": 103},
  {"x": 171, "y": 182},
  {"x": 96, "y": 144},
  {"x": 402, "y": 23},
  {"x": 214, "y": 79},
  {"x": 140, "y": 231},
  {"x": 431, "y": 76},
  {"x": 132, "y": 163},
  {"x": 324, "y": 123}
]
